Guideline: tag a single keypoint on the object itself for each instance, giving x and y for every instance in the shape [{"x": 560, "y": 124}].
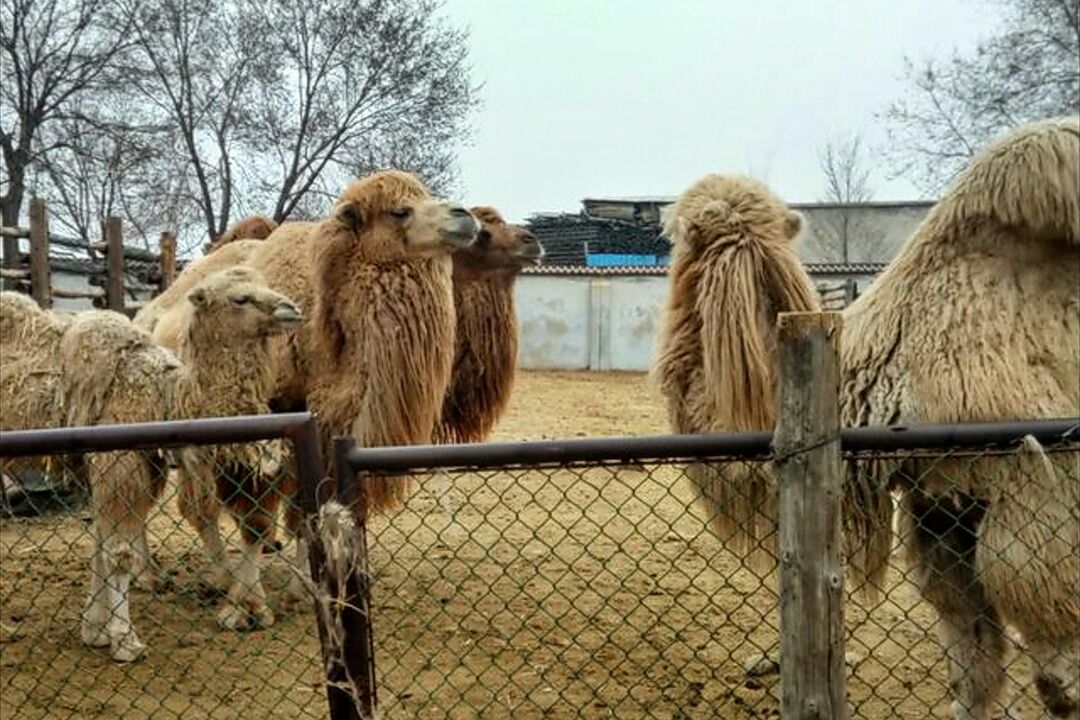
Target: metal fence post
[
  {"x": 310, "y": 496},
  {"x": 807, "y": 451},
  {"x": 359, "y": 647}
]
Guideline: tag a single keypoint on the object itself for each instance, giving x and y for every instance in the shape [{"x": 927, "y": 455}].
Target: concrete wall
[
  {"x": 553, "y": 317},
  {"x": 602, "y": 322},
  {"x": 595, "y": 323}
]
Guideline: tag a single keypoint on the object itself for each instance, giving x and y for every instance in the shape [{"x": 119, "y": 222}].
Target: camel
[
  {"x": 252, "y": 227},
  {"x": 485, "y": 357},
  {"x": 978, "y": 319},
  {"x": 734, "y": 268},
  {"x": 373, "y": 357},
  {"x": 110, "y": 371}
]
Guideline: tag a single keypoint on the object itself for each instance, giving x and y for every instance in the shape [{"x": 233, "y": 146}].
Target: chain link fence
[
  {"x": 579, "y": 579},
  {"x": 113, "y": 600},
  {"x": 518, "y": 583}
]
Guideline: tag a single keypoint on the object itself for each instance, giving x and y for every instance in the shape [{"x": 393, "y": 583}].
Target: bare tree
[
  {"x": 378, "y": 83},
  {"x": 103, "y": 169},
  {"x": 841, "y": 228},
  {"x": 195, "y": 67},
  {"x": 276, "y": 104},
  {"x": 53, "y": 52},
  {"x": 1030, "y": 70}
]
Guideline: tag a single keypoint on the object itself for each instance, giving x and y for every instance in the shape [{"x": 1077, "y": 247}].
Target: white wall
[
  {"x": 553, "y": 316},
  {"x": 594, "y": 323}
]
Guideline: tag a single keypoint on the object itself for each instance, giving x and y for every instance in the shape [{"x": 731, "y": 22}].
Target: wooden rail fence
[{"x": 32, "y": 272}]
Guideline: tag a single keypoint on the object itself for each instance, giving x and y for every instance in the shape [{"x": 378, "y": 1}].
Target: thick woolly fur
[
  {"x": 253, "y": 227},
  {"x": 485, "y": 357},
  {"x": 29, "y": 367},
  {"x": 734, "y": 268},
  {"x": 379, "y": 346},
  {"x": 29, "y": 373},
  {"x": 978, "y": 319},
  {"x": 110, "y": 371}
]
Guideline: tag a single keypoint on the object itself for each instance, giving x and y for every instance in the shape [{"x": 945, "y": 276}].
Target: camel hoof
[
  {"x": 761, "y": 666},
  {"x": 295, "y": 594},
  {"x": 128, "y": 648},
  {"x": 240, "y": 619},
  {"x": 94, "y": 635},
  {"x": 208, "y": 593}
]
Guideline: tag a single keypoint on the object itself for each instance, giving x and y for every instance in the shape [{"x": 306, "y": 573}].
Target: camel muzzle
[
  {"x": 532, "y": 252},
  {"x": 288, "y": 315},
  {"x": 460, "y": 230}
]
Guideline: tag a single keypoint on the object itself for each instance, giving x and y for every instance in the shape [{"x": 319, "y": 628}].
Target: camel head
[
  {"x": 719, "y": 210},
  {"x": 392, "y": 216},
  {"x": 239, "y": 301},
  {"x": 253, "y": 227},
  {"x": 500, "y": 248}
]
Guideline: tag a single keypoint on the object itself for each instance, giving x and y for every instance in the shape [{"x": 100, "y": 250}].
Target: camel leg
[
  {"x": 147, "y": 574},
  {"x": 1057, "y": 678},
  {"x": 199, "y": 505},
  {"x": 123, "y": 492},
  {"x": 249, "y": 502},
  {"x": 941, "y": 536},
  {"x": 245, "y": 606},
  {"x": 96, "y": 611},
  {"x": 297, "y": 590}
]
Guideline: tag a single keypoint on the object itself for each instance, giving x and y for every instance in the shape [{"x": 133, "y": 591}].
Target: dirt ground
[{"x": 595, "y": 593}]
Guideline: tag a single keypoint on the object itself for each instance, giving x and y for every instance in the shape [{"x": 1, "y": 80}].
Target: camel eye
[
  {"x": 242, "y": 300},
  {"x": 483, "y": 237},
  {"x": 401, "y": 213}
]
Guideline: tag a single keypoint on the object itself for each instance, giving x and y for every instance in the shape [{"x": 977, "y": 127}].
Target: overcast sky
[{"x": 588, "y": 98}]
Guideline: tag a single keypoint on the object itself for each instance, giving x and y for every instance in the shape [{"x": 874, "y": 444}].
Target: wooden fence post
[
  {"x": 40, "y": 272},
  {"x": 168, "y": 260},
  {"x": 807, "y": 451},
  {"x": 114, "y": 257}
]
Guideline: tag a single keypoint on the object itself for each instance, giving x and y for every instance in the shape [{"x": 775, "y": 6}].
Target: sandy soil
[{"x": 596, "y": 593}]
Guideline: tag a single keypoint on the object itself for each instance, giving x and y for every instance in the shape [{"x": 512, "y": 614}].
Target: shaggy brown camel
[
  {"x": 485, "y": 358},
  {"x": 374, "y": 355},
  {"x": 252, "y": 227},
  {"x": 733, "y": 269},
  {"x": 978, "y": 319}
]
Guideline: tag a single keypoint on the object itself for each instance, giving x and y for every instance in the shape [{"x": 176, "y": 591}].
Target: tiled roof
[{"x": 660, "y": 270}]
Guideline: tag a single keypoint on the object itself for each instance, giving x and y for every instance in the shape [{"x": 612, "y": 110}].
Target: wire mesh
[
  {"x": 608, "y": 590},
  {"x": 980, "y": 611},
  {"x": 66, "y": 650},
  {"x": 569, "y": 591}
]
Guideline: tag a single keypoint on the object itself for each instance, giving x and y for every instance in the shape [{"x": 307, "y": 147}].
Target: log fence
[{"x": 111, "y": 284}]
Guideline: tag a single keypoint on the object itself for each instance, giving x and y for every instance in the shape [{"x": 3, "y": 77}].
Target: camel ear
[
  {"x": 350, "y": 215},
  {"x": 197, "y": 297},
  {"x": 793, "y": 224}
]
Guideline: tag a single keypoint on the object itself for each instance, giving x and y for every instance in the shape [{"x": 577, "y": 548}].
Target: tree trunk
[{"x": 10, "y": 205}]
